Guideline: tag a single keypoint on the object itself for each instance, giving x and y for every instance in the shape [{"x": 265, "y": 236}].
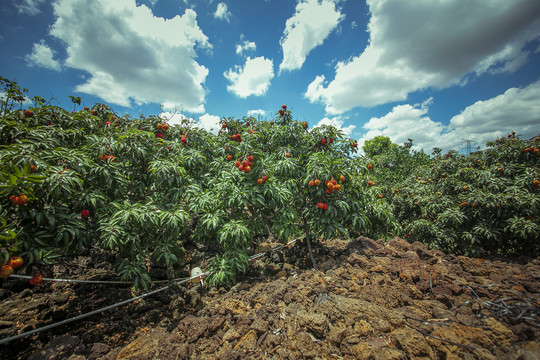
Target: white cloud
[
  {"x": 25, "y": 102},
  {"x": 337, "y": 122},
  {"x": 409, "y": 122},
  {"x": 256, "y": 113},
  {"x": 245, "y": 46},
  {"x": 29, "y": 7},
  {"x": 174, "y": 118},
  {"x": 517, "y": 109},
  {"x": 311, "y": 24},
  {"x": 132, "y": 55},
  {"x": 252, "y": 79},
  {"x": 416, "y": 45},
  {"x": 42, "y": 56},
  {"x": 222, "y": 12},
  {"x": 207, "y": 122}
]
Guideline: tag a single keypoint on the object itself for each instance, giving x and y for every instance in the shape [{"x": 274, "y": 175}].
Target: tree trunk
[{"x": 308, "y": 241}]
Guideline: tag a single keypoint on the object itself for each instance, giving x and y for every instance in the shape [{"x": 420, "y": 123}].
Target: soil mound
[{"x": 366, "y": 300}]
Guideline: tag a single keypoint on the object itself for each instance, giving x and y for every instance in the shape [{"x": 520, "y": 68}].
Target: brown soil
[{"x": 366, "y": 300}]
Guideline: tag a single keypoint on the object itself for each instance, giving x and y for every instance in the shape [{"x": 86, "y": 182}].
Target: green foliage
[
  {"x": 142, "y": 192},
  {"x": 483, "y": 203}
]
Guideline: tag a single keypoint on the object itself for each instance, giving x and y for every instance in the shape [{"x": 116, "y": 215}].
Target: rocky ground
[{"x": 366, "y": 300}]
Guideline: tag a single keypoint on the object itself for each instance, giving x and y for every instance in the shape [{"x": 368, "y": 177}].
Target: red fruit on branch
[
  {"x": 317, "y": 182},
  {"x": 342, "y": 178},
  {"x": 165, "y": 127},
  {"x": 237, "y": 164},
  {"x": 369, "y": 166},
  {"x": 311, "y": 183},
  {"x": 371, "y": 183},
  {"x": 265, "y": 177},
  {"x": 159, "y": 126},
  {"x": 224, "y": 125},
  {"x": 250, "y": 163},
  {"x": 247, "y": 169},
  {"x": 323, "y": 141},
  {"x": 284, "y": 107},
  {"x": 320, "y": 205},
  {"x": 241, "y": 168},
  {"x": 32, "y": 168},
  {"x": 16, "y": 262},
  {"x": 337, "y": 187},
  {"x": 250, "y": 158},
  {"x": 36, "y": 279},
  {"x": 159, "y": 135},
  {"x": 94, "y": 112},
  {"x": 288, "y": 155},
  {"x": 85, "y": 213},
  {"x": 28, "y": 113},
  {"x": 329, "y": 191},
  {"x": 233, "y": 137},
  {"x": 325, "y": 207},
  {"x": 229, "y": 157},
  {"x": 6, "y": 271},
  {"x": 330, "y": 140},
  {"x": 245, "y": 162},
  {"x": 260, "y": 181}
]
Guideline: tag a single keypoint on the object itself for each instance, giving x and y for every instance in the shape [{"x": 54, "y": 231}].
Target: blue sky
[{"x": 435, "y": 71}]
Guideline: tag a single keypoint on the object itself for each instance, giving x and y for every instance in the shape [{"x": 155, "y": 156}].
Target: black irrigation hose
[
  {"x": 94, "y": 312},
  {"x": 82, "y": 316}
]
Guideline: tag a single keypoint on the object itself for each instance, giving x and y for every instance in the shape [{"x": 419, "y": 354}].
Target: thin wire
[{"x": 82, "y": 316}]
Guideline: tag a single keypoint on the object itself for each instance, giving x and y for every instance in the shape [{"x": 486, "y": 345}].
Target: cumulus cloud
[
  {"x": 517, "y": 109},
  {"x": 29, "y": 7},
  {"x": 207, "y": 122},
  {"x": 42, "y": 56},
  {"x": 175, "y": 118},
  {"x": 256, "y": 113},
  {"x": 337, "y": 122},
  {"x": 245, "y": 46},
  {"x": 410, "y": 122},
  {"x": 416, "y": 45},
  {"x": 222, "y": 12},
  {"x": 251, "y": 79},
  {"x": 132, "y": 55},
  {"x": 310, "y": 25}
]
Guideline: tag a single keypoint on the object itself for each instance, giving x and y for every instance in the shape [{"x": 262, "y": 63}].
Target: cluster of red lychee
[
  {"x": 21, "y": 199},
  {"x": 237, "y": 137},
  {"x": 322, "y": 206},
  {"x": 15, "y": 262},
  {"x": 282, "y": 110},
  {"x": 245, "y": 165},
  {"x": 104, "y": 157},
  {"x": 329, "y": 141}
]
